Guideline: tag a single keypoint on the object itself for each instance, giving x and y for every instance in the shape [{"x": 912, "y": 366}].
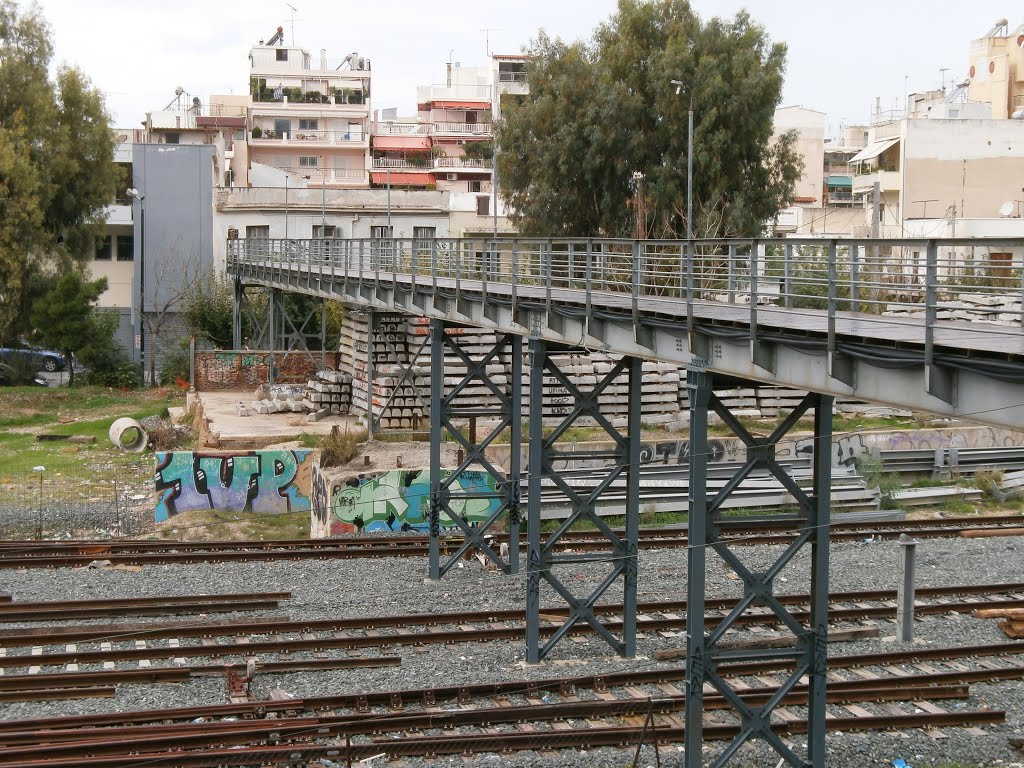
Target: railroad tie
[{"x": 72, "y": 666}]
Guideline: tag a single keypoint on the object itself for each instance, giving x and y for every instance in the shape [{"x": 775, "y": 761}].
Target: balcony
[
  {"x": 403, "y": 163},
  {"x": 888, "y": 181},
  {"x": 463, "y": 162},
  {"x": 305, "y": 138},
  {"x": 402, "y": 129},
  {"x": 323, "y": 177},
  {"x": 462, "y": 129}
]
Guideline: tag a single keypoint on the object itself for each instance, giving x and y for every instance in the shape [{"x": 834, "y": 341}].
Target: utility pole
[{"x": 876, "y": 210}]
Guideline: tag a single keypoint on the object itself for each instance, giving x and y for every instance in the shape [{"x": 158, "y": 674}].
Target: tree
[
  {"x": 602, "y": 118},
  {"x": 57, "y": 169},
  {"x": 64, "y": 314}
]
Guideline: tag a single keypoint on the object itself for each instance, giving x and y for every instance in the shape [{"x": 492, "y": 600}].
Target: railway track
[
  {"x": 745, "y": 530},
  {"x": 50, "y": 652},
  {"x": 866, "y": 692}
]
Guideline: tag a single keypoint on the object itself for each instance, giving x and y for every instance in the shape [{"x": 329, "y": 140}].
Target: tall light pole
[
  {"x": 136, "y": 195},
  {"x": 679, "y": 84}
]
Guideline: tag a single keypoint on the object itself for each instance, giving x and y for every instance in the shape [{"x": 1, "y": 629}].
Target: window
[
  {"x": 125, "y": 248},
  {"x": 307, "y": 162},
  {"x": 172, "y": 137},
  {"x": 380, "y": 233},
  {"x": 282, "y": 126},
  {"x": 424, "y": 233},
  {"x": 103, "y": 252},
  {"x": 258, "y": 232},
  {"x": 476, "y": 186},
  {"x": 1001, "y": 264},
  {"x": 328, "y": 230},
  {"x": 308, "y": 125},
  {"x": 282, "y": 54},
  {"x": 483, "y": 206}
]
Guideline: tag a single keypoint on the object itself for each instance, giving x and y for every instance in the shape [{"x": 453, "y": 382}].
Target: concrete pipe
[{"x": 128, "y": 435}]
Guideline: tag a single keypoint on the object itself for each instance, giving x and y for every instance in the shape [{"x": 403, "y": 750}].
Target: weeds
[{"x": 339, "y": 448}]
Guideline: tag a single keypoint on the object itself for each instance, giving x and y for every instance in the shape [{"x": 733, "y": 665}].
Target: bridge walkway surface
[{"x": 928, "y": 325}]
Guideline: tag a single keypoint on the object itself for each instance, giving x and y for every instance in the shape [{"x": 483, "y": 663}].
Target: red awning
[{"x": 413, "y": 179}]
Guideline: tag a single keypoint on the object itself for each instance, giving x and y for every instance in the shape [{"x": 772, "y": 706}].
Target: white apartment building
[{"x": 307, "y": 117}]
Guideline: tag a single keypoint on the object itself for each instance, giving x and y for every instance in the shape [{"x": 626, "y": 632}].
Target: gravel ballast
[{"x": 355, "y": 588}]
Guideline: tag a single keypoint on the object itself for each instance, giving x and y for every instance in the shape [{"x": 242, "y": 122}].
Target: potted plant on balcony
[{"x": 257, "y": 132}]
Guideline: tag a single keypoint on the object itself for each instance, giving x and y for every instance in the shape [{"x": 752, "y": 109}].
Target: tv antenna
[
  {"x": 293, "y": 9},
  {"x": 487, "y": 37}
]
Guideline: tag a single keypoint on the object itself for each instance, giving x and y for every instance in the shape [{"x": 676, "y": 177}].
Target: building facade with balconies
[
  {"x": 311, "y": 121},
  {"x": 449, "y": 145}
]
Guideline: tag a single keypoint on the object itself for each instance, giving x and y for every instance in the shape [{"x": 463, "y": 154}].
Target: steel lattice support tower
[
  {"x": 505, "y": 410},
  {"x": 544, "y": 560},
  {"x": 706, "y": 661}
]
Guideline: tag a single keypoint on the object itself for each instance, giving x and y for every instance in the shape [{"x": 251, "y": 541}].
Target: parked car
[
  {"x": 12, "y": 377},
  {"x": 28, "y": 354}
]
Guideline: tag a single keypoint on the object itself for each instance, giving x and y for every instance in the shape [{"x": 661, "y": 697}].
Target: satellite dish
[{"x": 1006, "y": 209}]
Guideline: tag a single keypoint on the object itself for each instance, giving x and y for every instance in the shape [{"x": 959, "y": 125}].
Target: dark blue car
[{"x": 24, "y": 354}]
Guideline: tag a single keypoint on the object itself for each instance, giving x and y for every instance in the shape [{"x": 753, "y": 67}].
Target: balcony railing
[
  {"x": 403, "y": 129},
  {"x": 319, "y": 176},
  {"x": 888, "y": 181},
  {"x": 462, "y": 162},
  {"x": 511, "y": 77},
  {"x": 321, "y": 137},
  {"x": 406, "y": 164},
  {"x": 463, "y": 129}
]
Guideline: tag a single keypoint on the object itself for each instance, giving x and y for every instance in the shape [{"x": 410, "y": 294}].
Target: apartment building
[
  {"x": 941, "y": 168},
  {"x": 307, "y": 117},
  {"x": 996, "y": 73}
]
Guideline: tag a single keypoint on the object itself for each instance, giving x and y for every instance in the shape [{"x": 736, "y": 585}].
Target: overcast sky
[{"x": 841, "y": 56}]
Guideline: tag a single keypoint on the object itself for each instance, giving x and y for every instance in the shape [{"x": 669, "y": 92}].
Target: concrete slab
[{"x": 255, "y": 430}]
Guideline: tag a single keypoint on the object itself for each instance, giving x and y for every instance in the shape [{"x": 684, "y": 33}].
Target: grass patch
[
  {"x": 234, "y": 526},
  {"x": 87, "y": 411}
]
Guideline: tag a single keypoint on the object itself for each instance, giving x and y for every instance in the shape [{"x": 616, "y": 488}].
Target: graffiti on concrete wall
[
  {"x": 261, "y": 482},
  {"x": 399, "y": 500}
]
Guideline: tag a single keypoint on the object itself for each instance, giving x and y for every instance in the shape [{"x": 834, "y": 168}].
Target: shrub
[
  {"x": 108, "y": 364},
  {"x": 339, "y": 448}
]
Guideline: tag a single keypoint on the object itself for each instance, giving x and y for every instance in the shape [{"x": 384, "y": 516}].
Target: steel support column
[
  {"x": 707, "y": 662},
  {"x": 623, "y": 460},
  {"x": 502, "y": 409},
  {"x": 237, "y": 298}
]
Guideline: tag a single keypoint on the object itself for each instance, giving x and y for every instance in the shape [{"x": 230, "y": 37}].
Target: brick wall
[{"x": 247, "y": 370}]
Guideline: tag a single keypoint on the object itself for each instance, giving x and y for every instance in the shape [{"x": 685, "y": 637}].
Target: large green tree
[
  {"x": 599, "y": 145},
  {"x": 65, "y": 314},
  {"x": 57, "y": 169}
]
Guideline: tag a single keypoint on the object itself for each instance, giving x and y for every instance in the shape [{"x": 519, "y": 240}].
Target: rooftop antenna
[
  {"x": 294, "y": 9},
  {"x": 487, "y": 37}
]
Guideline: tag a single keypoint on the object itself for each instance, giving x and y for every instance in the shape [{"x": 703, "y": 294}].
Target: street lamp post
[
  {"x": 679, "y": 84},
  {"x": 136, "y": 195}
]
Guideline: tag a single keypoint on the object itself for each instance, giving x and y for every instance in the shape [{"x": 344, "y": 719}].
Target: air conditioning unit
[
  {"x": 462, "y": 142},
  {"x": 452, "y": 177}
]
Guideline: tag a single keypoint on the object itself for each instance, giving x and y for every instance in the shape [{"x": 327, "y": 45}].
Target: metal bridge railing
[{"x": 980, "y": 281}]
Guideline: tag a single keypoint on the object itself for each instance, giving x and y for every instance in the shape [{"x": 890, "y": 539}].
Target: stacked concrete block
[
  {"x": 278, "y": 398},
  {"x": 777, "y": 401},
  {"x": 394, "y": 397},
  {"x": 329, "y": 394}
]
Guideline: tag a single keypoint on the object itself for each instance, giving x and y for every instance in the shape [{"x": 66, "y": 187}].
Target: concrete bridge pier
[
  {"x": 545, "y": 562},
  {"x": 707, "y": 659},
  {"x": 497, "y": 412}
]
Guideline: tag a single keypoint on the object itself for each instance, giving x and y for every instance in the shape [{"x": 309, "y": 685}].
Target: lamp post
[
  {"x": 679, "y": 84},
  {"x": 136, "y": 195}
]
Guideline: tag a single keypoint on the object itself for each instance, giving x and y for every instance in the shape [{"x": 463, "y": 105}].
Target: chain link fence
[{"x": 65, "y": 500}]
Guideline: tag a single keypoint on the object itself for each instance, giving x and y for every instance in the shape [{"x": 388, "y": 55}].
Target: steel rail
[
  {"x": 579, "y": 738},
  {"x": 736, "y": 527},
  {"x": 418, "y": 550},
  {"x": 220, "y": 734},
  {"x": 73, "y": 614},
  {"x": 21, "y": 636},
  {"x": 48, "y": 694},
  {"x": 19, "y": 730}
]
